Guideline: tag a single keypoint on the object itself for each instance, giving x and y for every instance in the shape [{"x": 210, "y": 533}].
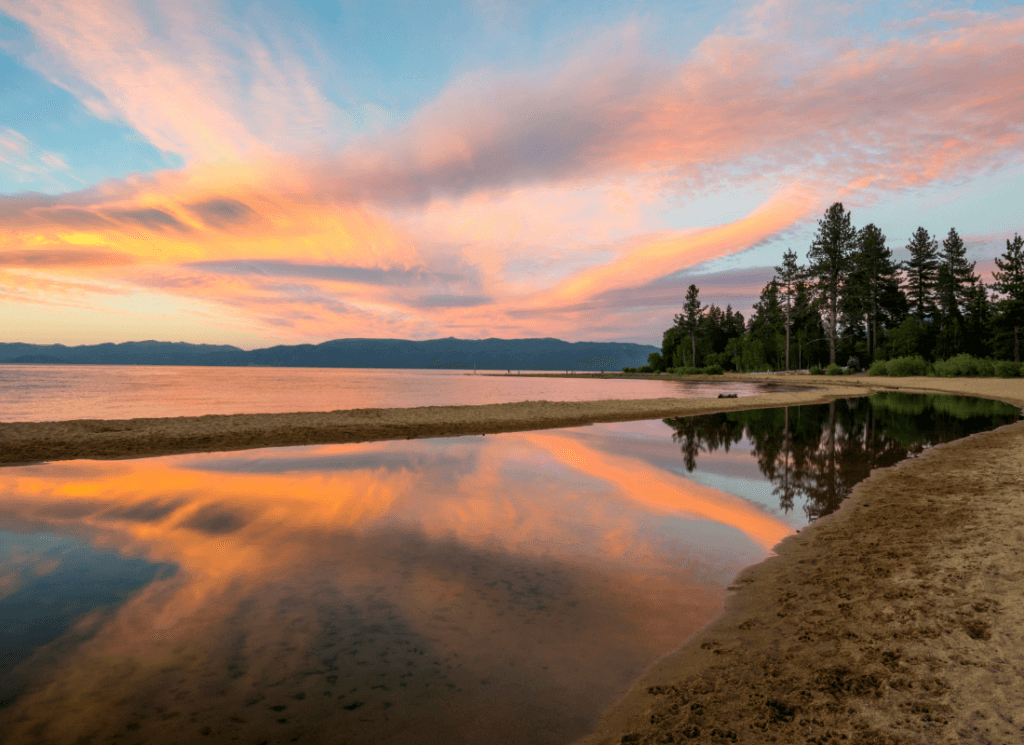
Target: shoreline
[
  {"x": 897, "y": 619},
  {"x": 32, "y": 442}
]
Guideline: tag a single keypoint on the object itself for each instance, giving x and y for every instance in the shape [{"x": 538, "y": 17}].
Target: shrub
[
  {"x": 713, "y": 370},
  {"x": 877, "y": 368},
  {"x": 985, "y": 369},
  {"x": 1006, "y": 369},
  {"x": 629, "y": 369},
  {"x": 688, "y": 370},
  {"x": 849, "y": 371},
  {"x": 817, "y": 371},
  {"x": 833, "y": 369},
  {"x": 645, "y": 369},
  {"x": 904, "y": 367}
]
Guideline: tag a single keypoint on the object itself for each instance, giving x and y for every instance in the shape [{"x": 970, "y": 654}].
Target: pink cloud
[{"x": 522, "y": 202}]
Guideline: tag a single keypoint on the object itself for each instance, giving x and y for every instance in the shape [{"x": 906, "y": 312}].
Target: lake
[
  {"x": 60, "y": 392},
  {"x": 499, "y": 589}
]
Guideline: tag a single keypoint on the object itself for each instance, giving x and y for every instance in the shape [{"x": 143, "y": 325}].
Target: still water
[
  {"x": 30, "y": 393},
  {"x": 499, "y": 589}
]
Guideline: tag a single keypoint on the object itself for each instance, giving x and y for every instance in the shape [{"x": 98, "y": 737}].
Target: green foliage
[
  {"x": 962, "y": 365},
  {"x": 713, "y": 370},
  {"x": 833, "y": 369},
  {"x": 878, "y": 368},
  {"x": 687, "y": 370},
  {"x": 1009, "y": 280},
  {"x": 849, "y": 371},
  {"x": 905, "y": 367},
  {"x": 922, "y": 274},
  {"x": 816, "y": 371},
  {"x": 645, "y": 369},
  {"x": 629, "y": 369},
  {"x": 1006, "y": 369},
  {"x": 908, "y": 339},
  {"x": 959, "y": 407},
  {"x": 829, "y": 258}
]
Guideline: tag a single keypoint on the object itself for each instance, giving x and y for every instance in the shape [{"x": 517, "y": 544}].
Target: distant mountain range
[{"x": 450, "y": 353}]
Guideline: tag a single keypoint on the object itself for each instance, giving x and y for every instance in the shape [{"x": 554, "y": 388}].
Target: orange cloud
[{"x": 515, "y": 217}]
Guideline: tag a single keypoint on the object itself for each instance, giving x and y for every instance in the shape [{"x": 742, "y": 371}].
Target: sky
[{"x": 284, "y": 172}]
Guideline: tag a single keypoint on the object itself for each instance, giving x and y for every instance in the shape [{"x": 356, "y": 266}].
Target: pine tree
[
  {"x": 829, "y": 258},
  {"x": 787, "y": 277},
  {"x": 1009, "y": 280},
  {"x": 873, "y": 286},
  {"x": 922, "y": 275},
  {"x": 689, "y": 319},
  {"x": 977, "y": 327},
  {"x": 960, "y": 277}
]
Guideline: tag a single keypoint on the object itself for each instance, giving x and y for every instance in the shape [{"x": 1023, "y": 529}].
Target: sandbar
[{"x": 26, "y": 442}]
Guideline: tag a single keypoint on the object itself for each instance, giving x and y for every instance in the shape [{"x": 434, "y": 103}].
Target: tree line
[{"x": 852, "y": 303}]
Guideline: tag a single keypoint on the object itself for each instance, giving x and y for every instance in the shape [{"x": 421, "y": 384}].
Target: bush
[
  {"x": 833, "y": 369},
  {"x": 645, "y": 369},
  {"x": 961, "y": 365},
  {"x": 688, "y": 370},
  {"x": 849, "y": 371},
  {"x": 713, "y": 370},
  {"x": 877, "y": 368},
  {"x": 964, "y": 365},
  {"x": 1006, "y": 369},
  {"x": 629, "y": 369},
  {"x": 904, "y": 367},
  {"x": 817, "y": 371}
]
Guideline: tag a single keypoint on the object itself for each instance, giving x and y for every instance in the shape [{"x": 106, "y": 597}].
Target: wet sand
[{"x": 899, "y": 619}]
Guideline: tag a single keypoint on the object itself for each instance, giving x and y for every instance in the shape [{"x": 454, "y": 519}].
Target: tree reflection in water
[{"x": 819, "y": 453}]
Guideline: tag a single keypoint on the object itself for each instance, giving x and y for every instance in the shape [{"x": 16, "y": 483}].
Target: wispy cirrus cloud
[{"x": 549, "y": 190}]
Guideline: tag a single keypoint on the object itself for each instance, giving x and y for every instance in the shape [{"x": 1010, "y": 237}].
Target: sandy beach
[{"x": 899, "y": 619}]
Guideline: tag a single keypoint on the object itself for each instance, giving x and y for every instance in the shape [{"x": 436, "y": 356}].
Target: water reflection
[
  {"x": 817, "y": 454},
  {"x": 494, "y": 589},
  {"x": 500, "y": 589}
]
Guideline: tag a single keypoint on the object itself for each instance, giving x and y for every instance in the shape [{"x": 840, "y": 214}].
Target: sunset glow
[{"x": 284, "y": 173}]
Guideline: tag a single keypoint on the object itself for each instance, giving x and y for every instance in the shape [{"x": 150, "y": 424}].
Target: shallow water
[
  {"x": 500, "y": 589},
  {"x": 32, "y": 393}
]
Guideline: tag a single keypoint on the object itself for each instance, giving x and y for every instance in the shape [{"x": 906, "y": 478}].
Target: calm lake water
[
  {"x": 59, "y": 392},
  {"x": 498, "y": 589}
]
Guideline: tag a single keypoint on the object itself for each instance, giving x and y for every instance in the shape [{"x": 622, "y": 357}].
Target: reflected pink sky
[{"x": 468, "y": 586}]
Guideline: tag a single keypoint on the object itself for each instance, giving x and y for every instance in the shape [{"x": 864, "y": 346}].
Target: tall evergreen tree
[
  {"x": 787, "y": 276},
  {"x": 767, "y": 321},
  {"x": 960, "y": 276},
  {"x": 829, "y": 258},
  {"x": 807, "y": 327},
  {"x": 689, "y": 319},
  {"x": 1009, "y": 280},
  {"x": 873, "y": 285},
  {"x": 922, "y": 274},
  {"x": 950, "y": 338},
  {"x": 978, "y": 325}
]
